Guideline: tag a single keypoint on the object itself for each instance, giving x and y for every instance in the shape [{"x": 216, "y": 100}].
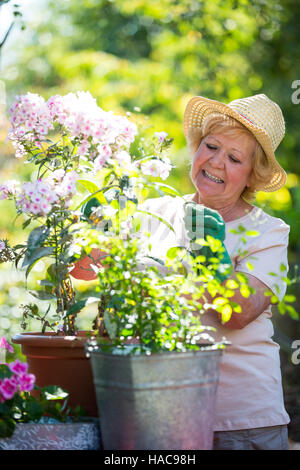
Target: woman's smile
[{"x": 211, "y": 177}]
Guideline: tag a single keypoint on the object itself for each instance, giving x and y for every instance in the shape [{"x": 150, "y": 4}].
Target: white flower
[
  {"x": 123, "y": 158},
  {"x": 161, "y": 136},
  {"x": 156, "y": 167}
]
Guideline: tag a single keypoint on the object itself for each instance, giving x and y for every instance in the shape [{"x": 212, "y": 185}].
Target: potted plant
[
  {"x": 155, "y": 366},
  {"x": 80, "y": 157},
  {"x": 36, "y": 423}
]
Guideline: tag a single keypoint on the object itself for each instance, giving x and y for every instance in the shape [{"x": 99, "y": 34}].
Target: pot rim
[
  {"x": 206, "y": 349},
  {"x": 50, "y": 338}
]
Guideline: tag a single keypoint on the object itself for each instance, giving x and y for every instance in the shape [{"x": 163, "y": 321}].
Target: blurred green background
[{"x": 149, "y": 57}]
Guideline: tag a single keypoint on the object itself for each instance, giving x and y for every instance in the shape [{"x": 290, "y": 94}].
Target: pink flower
[
  {"x": 161, "y": 136},
  {"x": 7, "y": 388},
  {"x": 9, "y": 189},
  {"x": 5, "y": 345},
  {"x": 156, "y": 167},
  {"x": 123, "y": 158},
  {"x": 83, "y": 148},
  {"x": 30, "y": 118},
  {"x": 99, "y": 162},
  {"x": 18, "y": 367},
  {"x": 26, "y": 382},
  {"x": 37, "y": 198}
]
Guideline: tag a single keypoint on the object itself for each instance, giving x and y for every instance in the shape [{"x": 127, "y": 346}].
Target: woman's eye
[
  {"x": 233, "y": 159},
  {"x": 211, "y": 147}
]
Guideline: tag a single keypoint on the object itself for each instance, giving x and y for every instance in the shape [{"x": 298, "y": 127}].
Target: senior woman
[{"x": 232, "y": 150}]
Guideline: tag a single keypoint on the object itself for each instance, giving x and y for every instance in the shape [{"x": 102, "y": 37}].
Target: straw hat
[{"x": 258, "y": 114}]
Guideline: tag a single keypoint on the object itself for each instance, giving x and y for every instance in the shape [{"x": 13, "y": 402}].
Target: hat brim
[{"x": 198, "y": 108}]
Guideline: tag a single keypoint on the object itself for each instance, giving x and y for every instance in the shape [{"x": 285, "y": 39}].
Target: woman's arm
[{"x": 252, "y": 306}]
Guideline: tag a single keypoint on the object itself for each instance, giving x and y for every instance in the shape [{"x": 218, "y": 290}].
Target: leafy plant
[
  {"x": 81, "y": 159},
  {"x": 17, "y": 405}
]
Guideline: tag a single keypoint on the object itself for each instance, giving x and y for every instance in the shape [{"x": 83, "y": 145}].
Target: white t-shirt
[{"x": 250, "y": 389}]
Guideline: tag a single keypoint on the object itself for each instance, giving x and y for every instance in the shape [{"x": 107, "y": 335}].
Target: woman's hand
[
  {"x": 201, "y": 221},
  {"x": 82, "y": 269}
]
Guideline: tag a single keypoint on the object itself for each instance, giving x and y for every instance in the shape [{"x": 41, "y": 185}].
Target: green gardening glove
[{"x": 201, "y": 221}]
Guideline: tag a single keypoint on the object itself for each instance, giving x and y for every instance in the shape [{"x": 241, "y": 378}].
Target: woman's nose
[{"x": 217, "y": 159}]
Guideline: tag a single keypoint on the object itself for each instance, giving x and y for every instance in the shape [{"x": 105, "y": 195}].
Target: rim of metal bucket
[{"x": 123, "y": 351}]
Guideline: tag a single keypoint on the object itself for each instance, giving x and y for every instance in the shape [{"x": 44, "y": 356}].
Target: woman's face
[{"x": 222, "y": 167}]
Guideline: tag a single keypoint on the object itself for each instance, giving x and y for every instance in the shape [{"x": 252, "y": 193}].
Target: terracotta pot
[{"x": 61, "y": 360}]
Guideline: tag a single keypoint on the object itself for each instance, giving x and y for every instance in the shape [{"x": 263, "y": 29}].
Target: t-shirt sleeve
[{"x": 267, "y": 254}]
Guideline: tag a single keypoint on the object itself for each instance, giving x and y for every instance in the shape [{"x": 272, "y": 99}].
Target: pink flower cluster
[
  {"x": 4, "y": 344},
  {"x": 157, "y": 167},
  {"x": 8, "y": 189},
  {"x": 38, "y": 197},
  {"x": 31, "y": 120},
  {"x": 98, "y": 133},
  {"x": 63, "y": 183},
  {"x": 19, "y": 382}
]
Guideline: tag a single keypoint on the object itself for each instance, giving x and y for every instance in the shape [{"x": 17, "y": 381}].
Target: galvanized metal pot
[{"x": 163, "y": 401}]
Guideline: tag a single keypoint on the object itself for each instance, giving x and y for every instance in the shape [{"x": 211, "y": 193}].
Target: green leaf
[
  {"x": 249, "y": 266},
  {"x": 274, "y": 299},
  {"x": 226, "y": 312},
  {"x": 156, "y": 259},
  {"x": 110, "y": 326},
  {"x": 283, "y": 267},
  {"x": 36, "y": 238},
  {"x": 245, "y": 291},
  {"x": 220, "y": 301},
  {"x": 289, "y": 298},
  {"x": 78, "y": 306},
  {"x": 29, "y": 261},
  {"x": 26, "y": 223},
  {"x": 231, "y": 284},
  {"x": 87, "y": 209},
  {"x": 242, "y": 277},
  {"x": 252, "y": 233},
  {"x": 7, "y": 427},
  {"x": 176, "y": 252},
  {"x": 87, "y": 184},
  {"x": 42, "y": 295},
  {"x": 292, "y": 312},
  {"x": 95, "y": 191},
  {"x": 34, "y": 409},
  {"x": 57, "y": 273},
  {"x": 236, "y": 307}
]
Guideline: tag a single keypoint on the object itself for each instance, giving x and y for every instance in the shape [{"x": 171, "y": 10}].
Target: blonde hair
[{"x": 221, "y": 123}]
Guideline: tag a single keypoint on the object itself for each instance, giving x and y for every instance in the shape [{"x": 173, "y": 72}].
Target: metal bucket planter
[{"x": 162, "y": 401}]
